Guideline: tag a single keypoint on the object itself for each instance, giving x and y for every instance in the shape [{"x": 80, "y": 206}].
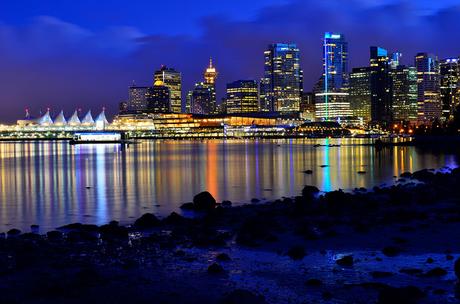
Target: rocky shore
[{"x": 384, "y": 245}]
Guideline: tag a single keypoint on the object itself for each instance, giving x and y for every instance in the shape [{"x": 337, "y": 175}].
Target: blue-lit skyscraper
[
  {"x": 381, "y": 86},
  {"x": 332, "y": 97}
]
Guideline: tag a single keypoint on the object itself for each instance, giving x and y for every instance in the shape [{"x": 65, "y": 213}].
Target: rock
[
  {"x": 346, "y": 261},
  {"x": 54, "y": 235},
  {"x": 226, "y": 204},
  {"x": 204, "y": 201},
  {"x": 308, "y": 171},
  {"x": 406, "y": 175},
  {"x": 391, "y": 251},
  {"x": 327, "y": 295},
  {"x": 449, "y": 257},
  {"x": 187, "y": 206},
  {"x": 175, "y": 219},
  {"x": 79, "y": 227},
  {"x": 309, "y": 191},
  {"x": 256, "y": 229},
  {"x": 406, "y": 295},
  {"x": 215, "y": 268},
  {"x": 457, "y": 268},
  {"x": 436, "y": 272},
  {"x": 381, "y": 274},
  {"x": 411, "y": 271},
  {"x": 113, "y": 231},
  {"x": 241, "y": 296},
  {"x": 34, "y": 228},
  {"x": 313, "y": 282},
  {"x": 255, "y": 200},
  {"x": 147, "y": 220},
  {"x": 223, "y": 257},
  {"x": 296, "y": 253},
  {"x": 430, "y": 260},
  {"x": 13, "y": 232}
]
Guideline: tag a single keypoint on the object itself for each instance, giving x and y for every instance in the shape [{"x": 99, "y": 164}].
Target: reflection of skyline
[{"x": 45, "y": 182}]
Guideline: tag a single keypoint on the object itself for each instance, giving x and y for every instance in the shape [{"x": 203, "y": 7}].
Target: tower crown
[{"x": 210, "y": 75}]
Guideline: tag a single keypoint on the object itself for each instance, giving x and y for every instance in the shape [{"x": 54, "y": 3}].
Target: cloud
[{"x": 57, "y": 64}]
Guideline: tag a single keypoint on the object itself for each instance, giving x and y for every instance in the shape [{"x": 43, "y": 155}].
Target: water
[{"x": 53, "y": 183}]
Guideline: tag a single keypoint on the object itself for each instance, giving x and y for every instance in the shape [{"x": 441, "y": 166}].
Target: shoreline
[{"x": 331, "y": 247}]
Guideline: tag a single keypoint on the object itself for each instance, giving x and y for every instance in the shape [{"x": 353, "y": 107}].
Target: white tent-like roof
[
  {"x": 74, "y": 120},
  {"x": 101, "y": 119},
  {"x": 60, "y": 119},
  {"x": 88, "y": 119},
  {"x": 45, "y": 119}
]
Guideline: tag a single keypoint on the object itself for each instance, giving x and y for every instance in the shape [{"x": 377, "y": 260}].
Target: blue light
[{"x": 382, "y": 52}]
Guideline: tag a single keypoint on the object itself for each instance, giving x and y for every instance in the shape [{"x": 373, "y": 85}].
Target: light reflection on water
[{"x": 53, "y": 183}]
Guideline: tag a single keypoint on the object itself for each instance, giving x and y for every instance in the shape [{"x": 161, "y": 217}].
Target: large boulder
[
  {"x": 241, "y": 296},
  {"x": 146, "y": 221},
  {"x": 407, "y": 295},
  {"x": 309, "y": 191},
  {"x": 204, "y": 201}
]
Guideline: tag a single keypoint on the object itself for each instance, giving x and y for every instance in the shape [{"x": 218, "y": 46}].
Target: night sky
[{"x": 67, "y": 54}]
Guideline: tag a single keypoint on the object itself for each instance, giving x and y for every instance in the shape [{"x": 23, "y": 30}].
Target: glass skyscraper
[
  {"x": 428, "y": 88},
  {"x": 173, "y": 80},
  {"x": 137, "y": 101},
  {"x": 282, "y": 85},
  {"x": 332, "y": 95},
  {"x": 380, "y": 81},
  {"x": 242, "y": 96},
  {"x": 449, "y": 73},
  {"x": 404, "y": 89},
  {"x": 360, "y": 94}
]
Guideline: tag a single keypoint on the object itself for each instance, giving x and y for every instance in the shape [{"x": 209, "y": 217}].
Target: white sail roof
[
  {"x": 88, "y": 119},
  {"x": 45, "y": 119},
  {"x": 74, "y": 120},
  {"x": 101, "y": 118},
  {"x": 60, "y": 119}
]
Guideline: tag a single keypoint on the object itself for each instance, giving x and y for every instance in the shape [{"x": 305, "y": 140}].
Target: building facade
[
  {"x": 202, "y": 99},
  {"x": 242, "y": 97},
  {"x": 404, "y": 89},
  {"x": 360, "y": 94},
  {"x": 449, "y": 86},
  {"x": 158, "y": 99},
  {"x": 428, "y": 88},
  {"x": 380, "y": 84},
  {"x": 137, "y": 100},
  {"x": 331, "y": 97},
  {"x": 173, "y": 80},
  {"x": 283, "y": 79}
]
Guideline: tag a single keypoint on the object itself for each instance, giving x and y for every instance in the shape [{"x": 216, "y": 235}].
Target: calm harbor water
[{"x": 53, "y": 183}]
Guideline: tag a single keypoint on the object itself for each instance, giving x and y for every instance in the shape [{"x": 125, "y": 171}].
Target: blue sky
[{"x": 68, "y": 54}]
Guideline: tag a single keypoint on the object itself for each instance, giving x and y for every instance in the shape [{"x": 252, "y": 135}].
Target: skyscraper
[
  {"x": 137, "y": 101},
  {"x": 360, "y": 94},
  {"x": 380, "y": 81},
  {"x": 159, "y": 98},
  {"x": 282, "y": 83},
  {"x": 428, "y": 95},
  {"x": 450, "y": 77},
  {"x": 332, "y": 94},
  {"x": 404, "y": 90},
  {"x": 242, "y": 96},
  {"x": 202, "y": 99},
  {"x": 173, "y": 80}
]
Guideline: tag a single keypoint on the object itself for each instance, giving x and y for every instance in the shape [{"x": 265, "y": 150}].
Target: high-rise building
[
  {"x": 360, "y": 94},
  {"x": 449, "y": 89},
  {"x": 173, "y": 80},
  {"x": 404, "y": 90},
  {"x": 202, "y": 99},
  {"x": 331, "y": 97},
  {"x": 428, "y": 94},
  {"x": 380, "y": 83},
  {"x": 137, "y": 101},
  {"x": 159, "y": 98},
  {"x": 307, "y": 106},
  {"x": 242, "y": 97},
  {"x": 282, "y": 84}
]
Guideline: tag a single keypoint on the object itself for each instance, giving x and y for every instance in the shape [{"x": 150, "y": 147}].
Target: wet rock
[
  {"x": 175, "y": 219},
  {"x": 54, "y": 235},
  {"x": 256, "y": 229},
  {"x": 241, "y": 296},
  {"x": 79, "y": 227},
  {"x": 255, "y": 200},
  {"x": 308, "y": 171},
  {"x": 313, "y": 282},
  {"x": 346, "y": 261},
  {"x": 406, "y": 175},
  {"x": 391, "y": 251},
  {"x": 146, "y": 221},
  {"x": 436, "y": 272},
  {"x": 439, "y": 292},
  {"x": 204, "y": 201},
  {"x": 76, "y": 236},
  {"x": 457, "y": 268},
  {"x": 113, "y": 231},
  {"x": 381, "y": 274},
  {"x": 406, "y": 295},
  {"x": 223, "y": 257},
  {"x": 309, "y": 191},
  {"x": 13, "y": 232},
  {"x": 411, "y": 271},
  {"x": 226, "y": 204},
  {"x": 327, "y": 295},
  {"x": 34, "y": 228},
  {"x": 296, "y": 253},
  {"x": 215, "y": 268},
  {"x": 429, "y": 260}
]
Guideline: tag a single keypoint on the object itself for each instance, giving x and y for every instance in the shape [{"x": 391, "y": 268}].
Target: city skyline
[{"x": 71, "y": 79}]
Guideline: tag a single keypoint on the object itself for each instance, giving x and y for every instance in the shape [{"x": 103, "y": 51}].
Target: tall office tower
[
  {"x": 202, "y": 99},
  {"x": 404, "y": 90},
  {"x": 265, "y": 103},
  {"x": 395, "y": 60},
  {"x": 307, "y": 106},
  {"x": 210, "y": 76},
  {"x": 173, "y": 80},
  {"x": 242, "y": 97},
  {"x": 450, "y": 77},
  {"x": 159, "y": 98},
  {"x": 188, "y": 102},
  {"x": 428, "y": 86},
  {"x": 137, "y": 101},
  {"x": 332, "y": 97},
  {"x": 360, "y": 93},
  {"x": 282, "y": 83},
  {"x": 380, "y": 81}
]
